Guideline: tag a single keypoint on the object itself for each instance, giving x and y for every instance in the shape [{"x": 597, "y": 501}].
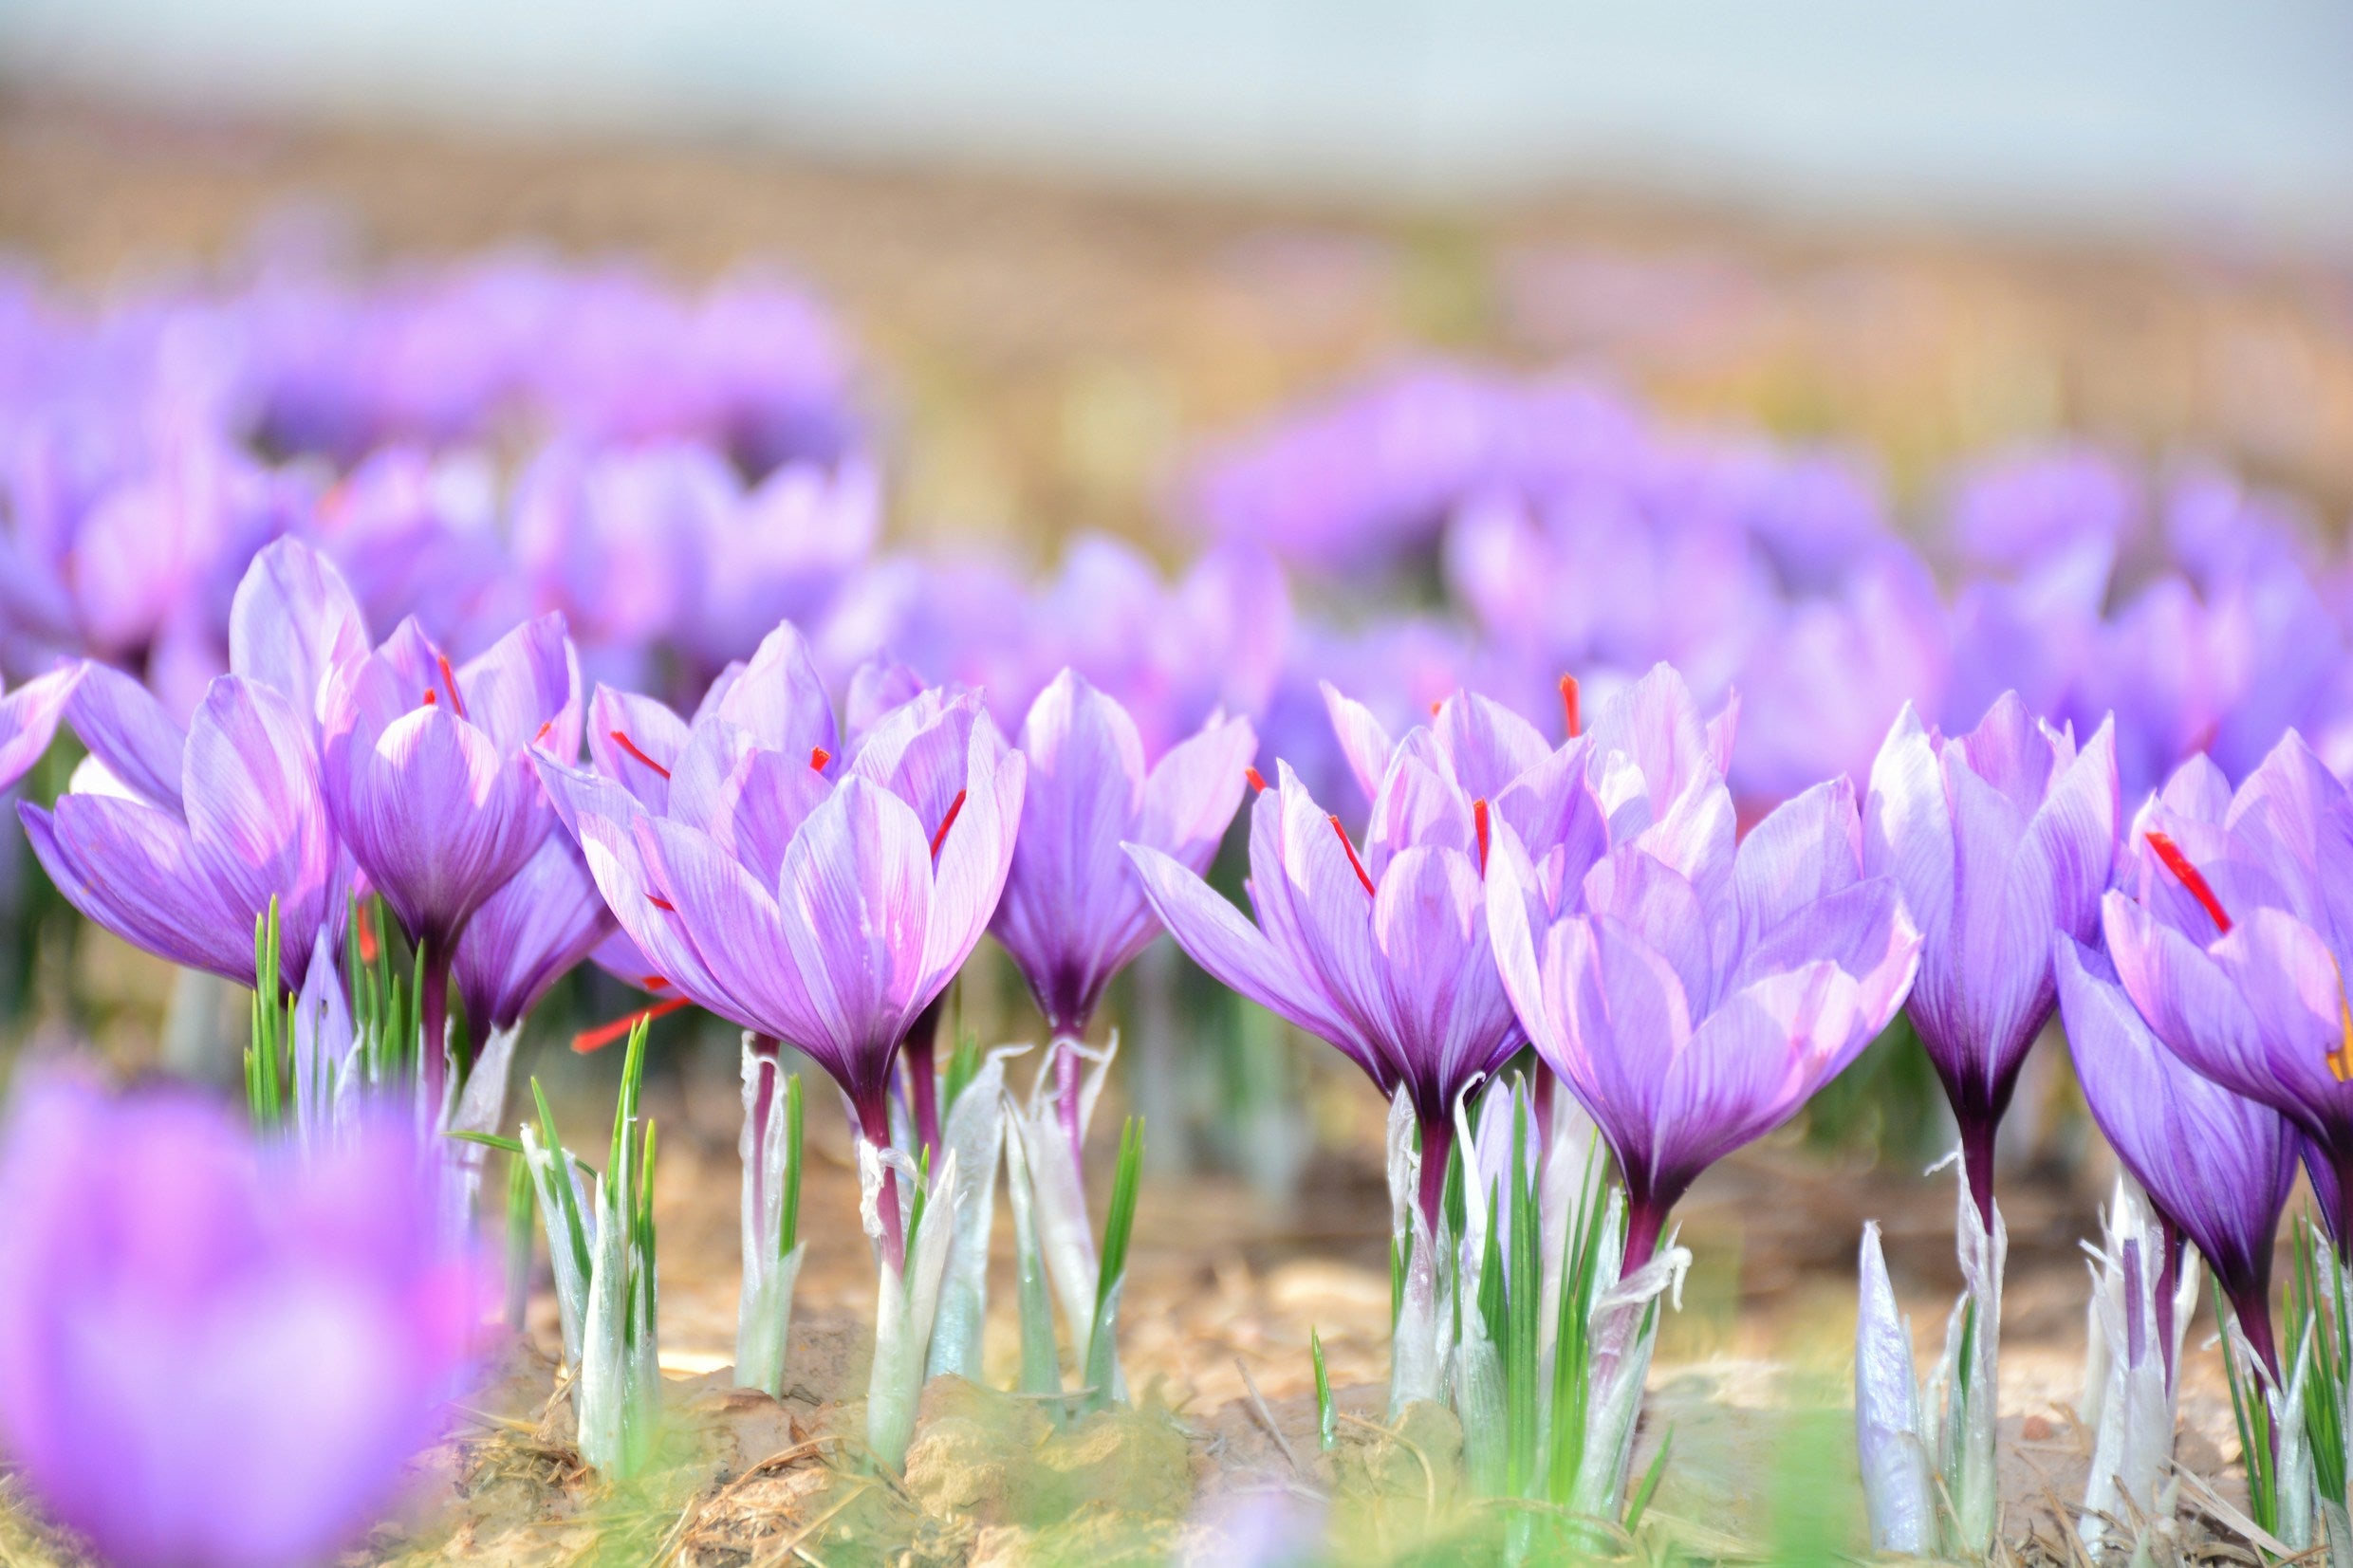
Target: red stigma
[
  {"x": 541, "y": 737},
  {"x": 631, "y": 747},
  {"x": 1257, "y": 780},
  {"x": 457, "y": 704},
  {"x": 946, "y": 822},
  {"x": 1434, "y": 708},
  {"x": 1357, "y": 866},
  {"x": 367, "y": 938},
  {"x": 661, "y": 903},
  {"x": 819, "y": 757},
  {"x": 433, "y": 698},
  {"x": 656, "y": 982},
  {"x": 2190, "y": 877},
  {"x": 1569, "y": 705},
  {"x": 1478, "y": 823},
  {"x": 604, "y": 1034}
]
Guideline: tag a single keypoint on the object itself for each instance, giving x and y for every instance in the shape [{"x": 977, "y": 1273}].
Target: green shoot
[
  {"x": 1326, "y": 1415},
  {"x": 575, "y": 1230},
  {"x": 1522, "y": 1360},
  {"x": 788, "y": 1225},
  {"x": 963, "y": 1066},
  {"x": 1119, "y": 1225},
  {"x": 2252, "y": 1413},
  {"x": 2320, "y": 1305},
  {"x": 1639, "y": 1503}
]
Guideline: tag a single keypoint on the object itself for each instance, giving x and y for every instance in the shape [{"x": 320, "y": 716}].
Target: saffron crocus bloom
[
  {"x": 430, "y": 777},
  {"x": 2217, "y": 1167},
  {"x": 2000, "y": 838},
  {"x": 29, "y": 718},
  {"x": 1703, "y": 993},
  {"x": 1382, "y": 953},
  {"x": 1073, "y": 914},
  {"x": 178, "y": 841},
  {"x": 213, "y": 1353},
  {"x": 823, "y": 915},
  {"x": 2233, "y": 944}
]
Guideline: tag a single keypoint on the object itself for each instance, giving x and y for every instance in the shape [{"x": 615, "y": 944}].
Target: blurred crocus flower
[
  {"x": 179, "y": 841},
  {"x": 1073, "y": 914},
  {"x": 29, "y": 718},
  {"x": 1385, "y": 954},
  {"x": 2217, "y": 1167},
  {"x": 825, "y": 914},
  {"x": 1694, "y": 996},
  {"x": 1998, "y": 839},
  {"x": 429, "y": 778},
  {"x": 541, "y": 922},
  {"x": 2233, "y": 939},
  {"x": 213, "y": 1353}
]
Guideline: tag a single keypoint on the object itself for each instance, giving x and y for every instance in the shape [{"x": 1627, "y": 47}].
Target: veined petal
[
  {"x": 437, "y": 818},
  {"x": 126, "y": 729},
  {"x": 779, "y": 697},
  {"x": 523, "y": 691},
  {"x": 132, "y": 868},
  {"x": 1490, "y": 744},
  {"x": 2195, "y": 1011},
  {"x": 737, "y": 928},
  {"x": 969, "y": 872},
  {"x": 1751, "y": 1063},
  {"x": 1805, "y": 850},
  {"x": 29, "y": 718},
  {"x": 1907, "y": 824},
  {"x": 1363, "y": 741},
  {"x": 294, "y": 620},
  {"x": 635, "y": 741},
  {"x": 255, "y": 815},
  {"x": 545, "y": 919}
]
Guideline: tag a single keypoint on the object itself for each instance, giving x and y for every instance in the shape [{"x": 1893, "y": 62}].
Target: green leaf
[
  {"x": 1639, "y": 1503},
  {"x": 788, "y": 1228},
  {"x": 1327, "y": 1416},
  {"x": 1119, "y": 1225},
  {"x": 487, "y": 1140}
]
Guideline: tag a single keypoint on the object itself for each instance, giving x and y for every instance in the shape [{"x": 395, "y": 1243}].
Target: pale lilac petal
[
  {"x": 1806, "y": 849},
  {"x": 255, "y": 814},
  {"x": 524, "y": 691},
  {"x": 1653, "y": 901},
  {"x": 655, "y": 737},
  {"x": 2011, "y": 750},
  {"x": 529, "y": 934},
  {"x": 1907, "y": 824},
  {"x": 1490, "y": 744},
  {"x": 294, "y": 620},
  {"x": 970, "y": 871},
  {"x": 439, "y": 819},
  {"x": 1750, "y": 1064},
  {"x": 29, "y": 718},
  {"x": 128, "y": 731},
  {"x": 779, "y": 697},
  {"x": 737, "y": 928},
  {"x": 1363, "y": 741},
  {"x": 133, "y": 869},
  {"x": 1447, "y": 1017},
  {"x": 1418, "y": 804}
]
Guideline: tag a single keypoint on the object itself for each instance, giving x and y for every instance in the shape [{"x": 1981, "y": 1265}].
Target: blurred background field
[{"x": 1054, "y": 316}]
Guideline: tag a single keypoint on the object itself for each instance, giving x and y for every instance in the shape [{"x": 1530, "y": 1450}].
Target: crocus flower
[
  {"x": 1702, "y": 993},
  {"x": 1382, "y": 953},
  {"x": 2217, "y": 1167},
  {"x": 1999, "y": 839},
  {"x": 431, "y": 782},
  {"x": 2233, "y": 939},
  {"x": 179, "y": 841},
  {"x": 29, "y": 718},
  {"x": 1072, "y": 914},
  {"x": 824, "y": 915},
  {"x": 212, "y": 1352}
]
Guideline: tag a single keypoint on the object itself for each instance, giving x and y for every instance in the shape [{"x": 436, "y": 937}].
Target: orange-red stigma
[
  {"x": 1361, "y": 874},
  {"x": 631, "y": 747},
  {"x": 1478, "y": 824},
  {"x": 1568, "y": 705},
  {"x": 2190, "y": 878},
  {"x": 661, "y": 903},
  {"x": 946, "y": 822},
  {"x": 604, "y": 1034},
  {"x": 457, "y": 704},
  {"x": 541, "y": 739},
  {"x": 1257, "y": 780},
  {"x": 819, "y": 757},
  {"x": 433, "y": 698}
]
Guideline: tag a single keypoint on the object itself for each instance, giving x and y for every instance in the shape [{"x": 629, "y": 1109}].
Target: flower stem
[
  {"x": 920, "y": 1050},
  {"x": 1067, "y": 1093},
  {"x": 874, "y": 1123},
  {"x": 1977, "y": 1164},
  {"x": 1437, "y": 1146},
  {"x": 433, "y": 1007},
  {"x": 1645, "y": 1217}
]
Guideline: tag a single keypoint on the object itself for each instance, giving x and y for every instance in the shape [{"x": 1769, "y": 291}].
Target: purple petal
[
  {"x": 779, "y": 697},
  {"x": 1489, "y": 744},
  {"x": 1363, "y": 741},
  {"x": 1806, "y": 849},
  {"x": 128, "y": 731},
  {"x": 133, "y": 870},
  {"x": 523, "y": 693},
  {"x": 1907, "y": 824},
  {"x": 527, "y": 936},
  {"x": 437, "y": 818},
  {"x": 258, "y": 821},
  {"x": 29, "y": 718},
  {"x": 654, "y": 738},
  {"x": 294, "y": 620},
  {"x": 970, "y": 869}
]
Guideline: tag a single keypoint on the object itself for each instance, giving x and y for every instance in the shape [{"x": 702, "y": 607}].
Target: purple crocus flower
[
  {"x": 2217, "y": 1166},
  {"x": 179, "y": 841},
  {"x": 1999, "y": 839},
  {"x": 29, "y": 718},
  {"x": 1385, "y": 954},
  {"x": 212, "y": 1352},
  {"x": 430, "y": 777},
  {"x": 2232, "y": 939},
  {"x": 825, "y": 914},
  {"x": 1702, "y": 993},
  {"x": 1072, "y": 914}
]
